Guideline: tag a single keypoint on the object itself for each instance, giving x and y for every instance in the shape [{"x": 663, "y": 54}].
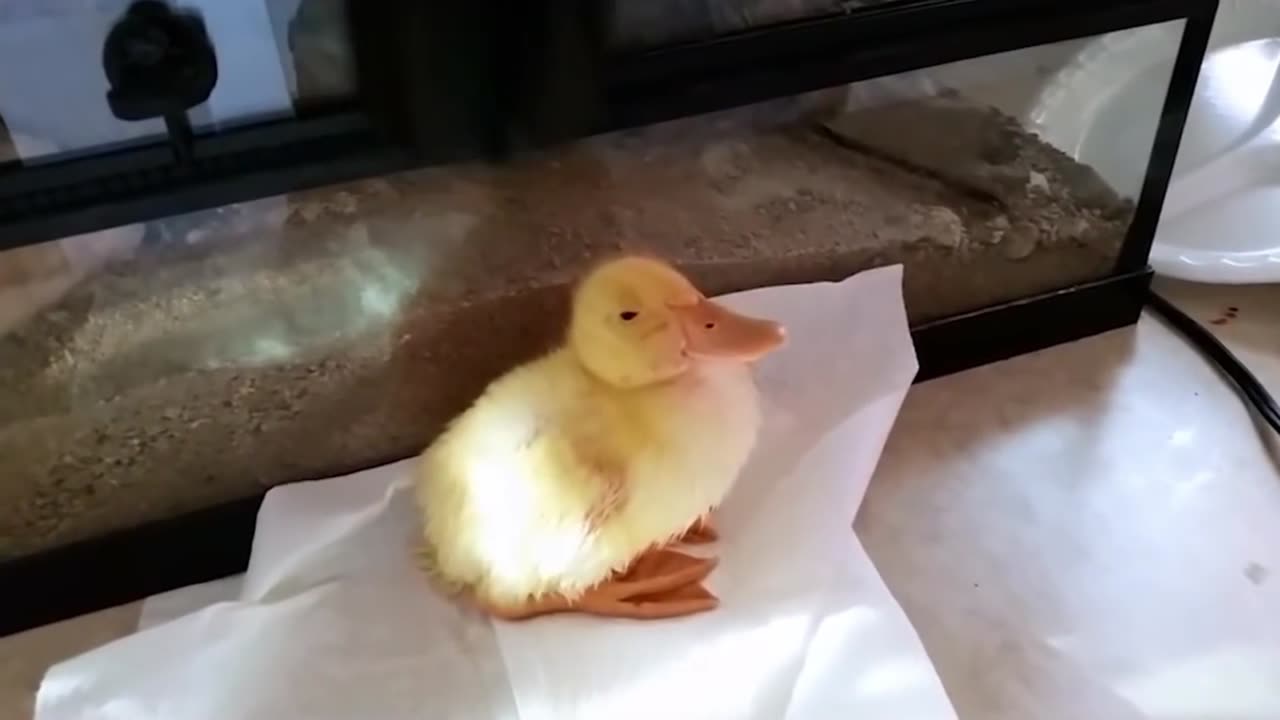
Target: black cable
[{"x": 1205, "y": 341}]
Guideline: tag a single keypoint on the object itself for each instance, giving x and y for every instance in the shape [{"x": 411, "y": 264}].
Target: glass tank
[{"x": 171, "y": 365}]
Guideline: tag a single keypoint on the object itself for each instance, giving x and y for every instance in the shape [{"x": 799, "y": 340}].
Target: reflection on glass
[
  {"x": 317, "y": 48},
  {"x": 1104, "y": 118},
  {"x": 639, "y": 24},
  {"x": 53, "y": 87},
  {"x": 196, "y": 359}
]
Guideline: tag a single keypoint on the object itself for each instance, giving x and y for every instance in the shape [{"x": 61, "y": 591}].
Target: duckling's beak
[{"x": 712, "y": 330}]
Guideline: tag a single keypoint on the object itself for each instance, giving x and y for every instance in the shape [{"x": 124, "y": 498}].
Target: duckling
[{"x": 562, "y": 487}]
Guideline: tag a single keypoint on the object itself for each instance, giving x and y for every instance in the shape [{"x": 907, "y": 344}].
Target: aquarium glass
[{"x": 171, "y": 365}]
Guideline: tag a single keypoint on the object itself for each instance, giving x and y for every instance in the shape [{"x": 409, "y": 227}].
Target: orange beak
[{"x": 712, "y": 330}]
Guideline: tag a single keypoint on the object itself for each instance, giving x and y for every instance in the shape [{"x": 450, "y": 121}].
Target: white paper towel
[{"x": 333, "y": 620}]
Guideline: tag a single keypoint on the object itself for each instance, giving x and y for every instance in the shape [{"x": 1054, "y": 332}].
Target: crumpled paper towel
[{"x": 332, "y": 619}]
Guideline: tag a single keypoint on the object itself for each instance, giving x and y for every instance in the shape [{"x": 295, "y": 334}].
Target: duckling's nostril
[{"x": 710, "y": 326}]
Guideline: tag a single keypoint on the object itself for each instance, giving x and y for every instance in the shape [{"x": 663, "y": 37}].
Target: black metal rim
[
  {"x": 397, "y": 122},
  {"x": 676, "y": 81}
]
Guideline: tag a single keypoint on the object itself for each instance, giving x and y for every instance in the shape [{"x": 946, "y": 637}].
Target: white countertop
[{"x": 1094, "y": 531}]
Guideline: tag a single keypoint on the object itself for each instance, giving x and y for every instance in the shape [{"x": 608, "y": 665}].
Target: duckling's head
[{"x": 637, "y": 321}]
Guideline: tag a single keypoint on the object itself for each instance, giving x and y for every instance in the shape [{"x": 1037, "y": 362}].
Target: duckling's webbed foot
[
  {"x": 659, "y": 584},
  {"x": 701, "y": 532}
]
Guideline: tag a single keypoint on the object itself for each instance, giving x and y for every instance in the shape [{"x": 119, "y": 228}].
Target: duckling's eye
[{"x": 628, "y": 315}]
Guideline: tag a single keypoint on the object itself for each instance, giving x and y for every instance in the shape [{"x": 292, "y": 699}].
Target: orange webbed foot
[
  {"x": 701, "y": 532},
  {"x": 659, "y": 584}
]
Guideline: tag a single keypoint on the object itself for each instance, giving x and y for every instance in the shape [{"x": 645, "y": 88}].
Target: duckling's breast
[{"x": 705, "y": 427}]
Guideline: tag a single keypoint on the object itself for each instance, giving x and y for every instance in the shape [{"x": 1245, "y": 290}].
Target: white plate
[{"x": 1221, "y": 220}]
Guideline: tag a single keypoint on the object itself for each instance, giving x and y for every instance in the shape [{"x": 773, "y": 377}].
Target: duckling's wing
[{"x": 606, "y": 469}]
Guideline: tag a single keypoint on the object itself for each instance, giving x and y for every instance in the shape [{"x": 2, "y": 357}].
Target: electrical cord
[{"x": 1253, "y": 391}]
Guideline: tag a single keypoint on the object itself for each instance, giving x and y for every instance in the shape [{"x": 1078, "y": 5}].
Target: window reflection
[{"x": 272, "y": 57}]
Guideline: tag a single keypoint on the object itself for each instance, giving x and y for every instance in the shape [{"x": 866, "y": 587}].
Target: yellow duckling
[{"x": 559, "y": 489}]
